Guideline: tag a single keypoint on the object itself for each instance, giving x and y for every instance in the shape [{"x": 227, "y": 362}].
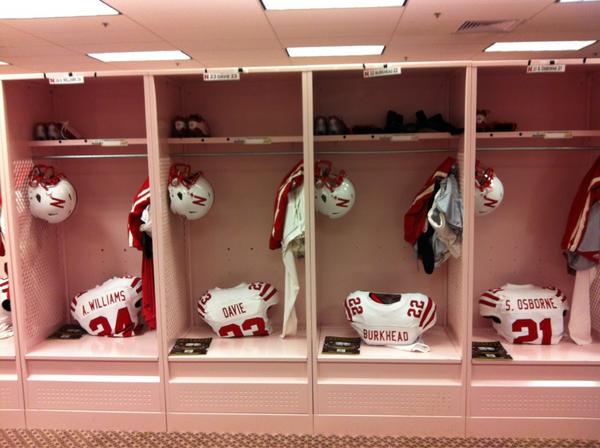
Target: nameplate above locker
[
  {"x": 374, "y": 72},
  {"x": 546, "y": 68},
  {"x": 222, "y": 75},
  {"x": 65, "y": 78}
]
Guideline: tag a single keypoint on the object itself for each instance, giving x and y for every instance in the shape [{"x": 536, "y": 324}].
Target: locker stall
[
  {"x": 384, "y": 390},
  {"x": 545, "y": 390},
  {"x": 12, "y": 413},
  {"x": 262, "y": 383},
  {"x": 93, "y": 382}
]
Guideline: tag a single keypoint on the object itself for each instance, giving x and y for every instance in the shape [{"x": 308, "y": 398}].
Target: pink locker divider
[
  {"x": 252, "y": 384},
  {"x": 95, "y": 382},
  {"x": 545, "y": 391},
  {"x": 383, "y": 390}
]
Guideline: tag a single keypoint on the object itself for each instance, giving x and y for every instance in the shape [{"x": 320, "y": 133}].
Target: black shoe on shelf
[
  {"x": 320, "y": 125},
  {"x": 39, "y": 132},
  {"x": 394, "y": 122},
  {"x": 197, "y": 126},
  {"x": 336, "y": 126},
  {"x": 179, "y": 128}
]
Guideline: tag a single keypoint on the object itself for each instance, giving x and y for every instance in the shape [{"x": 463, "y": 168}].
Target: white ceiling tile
[
  {"x": 328, "y": 24},
  {"x": 225, "y": 44},
  {"x": 82, "y": 30},
  {"x": 196, "y": 20}
]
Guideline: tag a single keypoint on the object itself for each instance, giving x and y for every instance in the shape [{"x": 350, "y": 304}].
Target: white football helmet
[
  {"x": 334, "y": 193},
  {"x": 51, "y": 196},
  {"x": 191, "y": 195},
  {"x": 489, "y": 190}
]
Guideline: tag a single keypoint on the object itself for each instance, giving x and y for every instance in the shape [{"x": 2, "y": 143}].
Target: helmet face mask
[
  {"x": 191, "y": 195},
  {"x": 489, "y": 190},
  {"x": 334, "y": 193},
  {"x": 51, "y": 196}
]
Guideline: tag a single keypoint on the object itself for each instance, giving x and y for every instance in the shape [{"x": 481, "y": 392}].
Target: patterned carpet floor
[{"x": 112, "y": 439}]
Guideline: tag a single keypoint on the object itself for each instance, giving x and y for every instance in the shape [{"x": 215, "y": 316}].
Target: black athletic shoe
[
  {"x": 179, "y": 128},
  {"x": 320, "y": 126},
  {"x": 336, "y": 126},
  {"x": 394, "y": 122}
]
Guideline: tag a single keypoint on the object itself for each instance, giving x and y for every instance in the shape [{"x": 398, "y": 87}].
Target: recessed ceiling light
[
  {"x": 328, "y": 4},
  {"x": 128, "y": 56},
  {"x": 3, "y": 63},
  {"x": 40, "y": 9},
  {"x": 341, "y": 50},
  {"x": 556, "y": 45},
  {"x": 576, "y": 1}
]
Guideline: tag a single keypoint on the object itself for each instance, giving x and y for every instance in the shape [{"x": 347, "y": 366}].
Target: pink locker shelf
[
  {"x": 564, "y": 134},
  {"x": 87, "y": 142},
  {"x": 387, "y": 137},
  {"x": 95, "y": 348},
  {"x": 255, "y": 349},
  {"x": 443, "y": 349},
  {"x": 256, "y": 140},
  {"x": 566, "y": 352},
  {"x": 7, "y": 348}
]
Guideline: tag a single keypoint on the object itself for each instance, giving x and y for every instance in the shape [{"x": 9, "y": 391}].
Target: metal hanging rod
[
  {"x": 94, "y": 156},
  {"x": 540, "y": 148},
  {"x": 295, "y": 153},
  {"x": 327, "y": 153}
]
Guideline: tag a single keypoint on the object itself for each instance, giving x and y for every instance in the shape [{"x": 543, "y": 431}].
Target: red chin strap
[
  {"x": 483, "y": 176},
  {"x": 325, "y": 177},
  {"x": 44, "y": 175},
  {"x": 180, "y": 173}
]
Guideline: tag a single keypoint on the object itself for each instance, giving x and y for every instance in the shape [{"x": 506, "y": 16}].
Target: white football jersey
[
  {"x": 390, "y": 319},
  {"x": 526, "y": 314},
  {"x": 111, "y": 309},
  {"x": 239, "y": 311},
  {"x": 6, "y": 330}
]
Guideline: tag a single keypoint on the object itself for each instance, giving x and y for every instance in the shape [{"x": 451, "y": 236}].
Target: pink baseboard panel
[
  {"x": 389, "y": 399},
  {"x": 93, "y": 420},
  {"x": 286, "y": 398},
  {"x": 387, "y": 425},
  {"x": 568, "y": 428},
  {"x": 12, "y": 418},
  {"x": 245, "y": 423}
]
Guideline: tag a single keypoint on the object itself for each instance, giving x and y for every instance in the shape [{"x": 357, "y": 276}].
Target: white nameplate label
[
  {"x": 558, "y": 134},
  {"x": 110, "y": 142},
  {"x": 222, "y": 76},
  {"x": 65, "y": 78},
  {"x": 382, "y": 71},
  {"x": 546, "y": 68},
  {"x": 254, "y": 141}
]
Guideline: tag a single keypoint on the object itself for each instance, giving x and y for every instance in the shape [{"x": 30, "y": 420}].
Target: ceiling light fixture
[
  {"x": 43, "y": 9},
  {"x": 556, "y": 45},
  {"x": 575, "y": 1},
  {"x": 328, "y": 4},
  {"x": 341, "y": 50},
  {"x": 4, "y": 63},
  {"x": 129, "y": 56}
]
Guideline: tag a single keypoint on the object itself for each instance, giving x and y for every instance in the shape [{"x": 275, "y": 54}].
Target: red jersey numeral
[
  {"x": 123, "y": 326},
  {"x": 255, "y": 324},
  {"x": 532, "y": 330},
  {"x": 354, "y": 305},
  {"x": 416, "y": 308}
]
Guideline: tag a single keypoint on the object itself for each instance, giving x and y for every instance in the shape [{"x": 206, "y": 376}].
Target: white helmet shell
[
  {"x": 489, "y": 191},
  {"x": 51, "y": 197},
  {"x": 190, "y": 196},
  {"x": 334, "y": 196}
]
